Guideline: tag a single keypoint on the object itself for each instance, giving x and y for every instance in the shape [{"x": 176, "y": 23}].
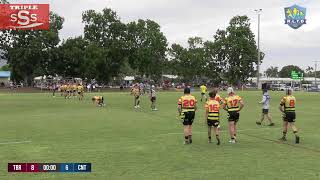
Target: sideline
[{"x": 15, "y": 142}]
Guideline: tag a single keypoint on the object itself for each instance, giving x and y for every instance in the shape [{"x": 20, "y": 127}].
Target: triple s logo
[
  {"x": 24, "y": 16},
  {"x": 295, "y": 16}
]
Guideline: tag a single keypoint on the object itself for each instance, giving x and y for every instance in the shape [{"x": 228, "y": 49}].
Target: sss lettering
[{"x": 23, "y": 17}]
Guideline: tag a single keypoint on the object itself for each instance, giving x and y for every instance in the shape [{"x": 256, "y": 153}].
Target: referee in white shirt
[{"x": 265, "y": 110}]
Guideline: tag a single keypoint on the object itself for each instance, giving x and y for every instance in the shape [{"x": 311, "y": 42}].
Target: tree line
[
  {"x": 285, "y": 71},
  {"x": 111, "y": 49}
]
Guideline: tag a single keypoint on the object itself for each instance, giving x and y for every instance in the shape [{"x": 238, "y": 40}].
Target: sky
[{"x": 181, "y": 19}]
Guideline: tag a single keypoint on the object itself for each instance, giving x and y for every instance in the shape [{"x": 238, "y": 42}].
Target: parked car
[
  {"x": 314, "y": 89},
  {"x": 278, "y": 87}
]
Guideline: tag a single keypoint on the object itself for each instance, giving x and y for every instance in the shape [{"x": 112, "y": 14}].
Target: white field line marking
[
  {"x": 15, "y": 142},
  {"x": 240, "y": 130}
]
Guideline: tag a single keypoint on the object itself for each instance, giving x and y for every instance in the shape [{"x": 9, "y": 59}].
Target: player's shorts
[
  {"x": 137, "y": 97},
  {"x": 79, "y": 92},
  {"x": 188, "y": 117},
  {"x": 265, "y": 111},
  {"x": 202, "y": 94},
  {"x": 233, "y": 116},
  {"x": 289, "y": 116},
  {"x": 153, "y": 99},
  {"x": 214, "y": 123}
]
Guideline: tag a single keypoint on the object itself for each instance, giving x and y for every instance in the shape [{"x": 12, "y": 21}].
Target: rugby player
[
  {"x": 63, "y": 89},
  {"x": 187, "y": 105},
  {"x": 69, "y": 90},
  {"x": 54, "y": 89},
  {"x": 135, "y": 91},
  {"x": 203, "y": 89},
  {"x": 218, "y": 97},
  {"x": 212, "y": 107},
  {"x": 287, "y": 107},
  {"x": 74, "y": 89},
  {"x": 233, "y": 104},
  {"x": 80, "y": 90},
  {"x": 265, "y": 110},
  {"x": 153, "y": 98},
  {"x": 98, "y": 100}
]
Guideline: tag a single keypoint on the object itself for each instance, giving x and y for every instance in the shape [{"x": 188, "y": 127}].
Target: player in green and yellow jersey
[
  {"x": 74, "y": 89},
  {"x": 288, "y": 108},
  {"x": 212, "y": 107},
  {"x": 187, "y": 105},
  {"x": 203, "y": 90},
  {"x": 98, "y": 100},
  {"x": 233, "y": 104},
  {"x": 135, "y": 91},
  {"x": 218, "y": 97},
  {"x": 80, "y": 90},
  {"x": 63, "y": 89}
]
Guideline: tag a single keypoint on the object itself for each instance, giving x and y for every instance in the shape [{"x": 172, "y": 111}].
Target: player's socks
[
  {"x": 271, "y": 124},
  {"x": 218, "y": 139},
  {"x": 190, "y": 139},
  {"x": 209, "y": 139},
  {"x": 297, "y": 137},
  {"x": 258, "y": 123},
  {"x": 186, "y": 140},
  {"x": 284, "y": 136}
]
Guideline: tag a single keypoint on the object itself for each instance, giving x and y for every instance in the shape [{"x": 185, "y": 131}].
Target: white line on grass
[
  {"x": 201, "y": 132},
  {"x": 15, "y": 142}
]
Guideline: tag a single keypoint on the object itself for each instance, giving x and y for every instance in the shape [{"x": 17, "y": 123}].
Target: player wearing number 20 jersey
[{"x": 187, "y": 105}]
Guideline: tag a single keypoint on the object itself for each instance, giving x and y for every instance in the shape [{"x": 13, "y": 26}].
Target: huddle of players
[
  {"x": 70, "y": 89},
  {"x": 233, "y": 104},
  {"x": 187, "y": 105}
]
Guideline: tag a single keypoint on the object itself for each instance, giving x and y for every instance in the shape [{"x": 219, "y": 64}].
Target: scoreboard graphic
[{"x": 49, "y": 167}]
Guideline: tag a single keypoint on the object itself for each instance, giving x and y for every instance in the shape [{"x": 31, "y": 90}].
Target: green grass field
[{"x": 124, "y": 143}]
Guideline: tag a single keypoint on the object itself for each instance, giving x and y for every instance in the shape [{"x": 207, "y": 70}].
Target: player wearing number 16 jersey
[
  {"x": 233, "y": 104},
  {"x": 287, "y": 107},
  {"x": 187, "y": 105},
  {"x": 212, "y": 116}
]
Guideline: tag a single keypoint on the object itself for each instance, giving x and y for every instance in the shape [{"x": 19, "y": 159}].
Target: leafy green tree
[
  {"x": 177, "y": 59},
  {"x": 147, "y": 48},
  {"x": 241, "y": 50},
  {"x": 72, "y": 56},
  {"x": 216, "y": 56},
  {"x": 272, "y": 72},
  {"x": 285, "y": 72},
  {"x": 197, "y": 59},
  {"x": 29, "y": 53},
  {"x": 5, "y": 68},
  {"x": 189, "y": 62},
  {"x": 107, "y": 35},
  {"x": 309, "y": 72}
]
